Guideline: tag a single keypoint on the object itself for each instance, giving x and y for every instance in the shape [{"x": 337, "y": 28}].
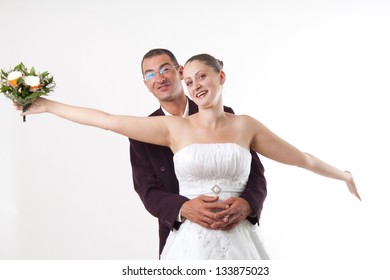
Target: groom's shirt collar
[{"x": 186, "y": 111}]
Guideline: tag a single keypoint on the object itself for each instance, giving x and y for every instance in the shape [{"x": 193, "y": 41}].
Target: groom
[{"x": 153, "y": 171}]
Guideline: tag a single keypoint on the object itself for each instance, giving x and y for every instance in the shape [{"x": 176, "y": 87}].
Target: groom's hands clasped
[
  {"x": 208, "y": 212},
  {"x": 236, "y": 209},
  {"x": 200, "y": 210}
]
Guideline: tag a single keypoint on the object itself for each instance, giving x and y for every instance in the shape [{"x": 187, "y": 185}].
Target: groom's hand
[
  {"x": 236, "y": 210},
  {"x": 200, "y": 210}
]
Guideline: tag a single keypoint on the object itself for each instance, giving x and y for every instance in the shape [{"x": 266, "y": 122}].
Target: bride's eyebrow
[{"x": 196, "y": 74}]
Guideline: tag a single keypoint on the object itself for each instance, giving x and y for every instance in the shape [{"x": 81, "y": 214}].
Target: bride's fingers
[
  {"x": 352, "y": 188},
  {"x": 17, "y": 107},
  {"x": 23, "y": 112},
  {"x": 355, "y": 193}
]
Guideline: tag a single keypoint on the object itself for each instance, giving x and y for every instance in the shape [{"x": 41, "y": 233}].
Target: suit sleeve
[
  {"x": 157, "y": 200},
  {"x": 256, "y": 188}
]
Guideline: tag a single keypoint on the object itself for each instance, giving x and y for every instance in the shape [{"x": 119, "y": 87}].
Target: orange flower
[{"x": 13, "y": 78}]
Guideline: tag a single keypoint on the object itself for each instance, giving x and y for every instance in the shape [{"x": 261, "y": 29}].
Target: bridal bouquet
[{"x": 23, "y": 86}]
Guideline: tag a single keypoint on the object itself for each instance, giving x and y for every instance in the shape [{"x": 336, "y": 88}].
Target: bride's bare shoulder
[
  {"x": 249, "y": 122},
  {"x": 242, "y": 118}
]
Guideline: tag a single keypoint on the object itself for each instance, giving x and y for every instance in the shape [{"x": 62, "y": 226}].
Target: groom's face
[{"x": 165, "y": 79}]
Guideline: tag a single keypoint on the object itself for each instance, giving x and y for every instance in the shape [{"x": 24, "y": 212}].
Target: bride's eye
[
  {"x": 189, "y": 83},
  {"x": 202, "y": 76}
]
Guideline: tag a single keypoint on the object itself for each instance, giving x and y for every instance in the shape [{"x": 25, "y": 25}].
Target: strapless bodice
[{"x": 200, "y": 167}]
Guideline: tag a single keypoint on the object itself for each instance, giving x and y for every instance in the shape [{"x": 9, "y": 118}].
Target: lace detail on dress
[{"x": 215, "y": 244}]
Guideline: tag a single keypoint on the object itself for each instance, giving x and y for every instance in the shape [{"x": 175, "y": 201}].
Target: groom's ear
[{"x": 180, "y": 70}]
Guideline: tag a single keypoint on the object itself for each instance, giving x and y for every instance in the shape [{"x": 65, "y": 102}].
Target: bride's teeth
[{"x": 200, "y": 94}]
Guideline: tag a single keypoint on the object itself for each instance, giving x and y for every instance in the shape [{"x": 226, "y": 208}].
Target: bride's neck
[{"x": 211, "y": 117}]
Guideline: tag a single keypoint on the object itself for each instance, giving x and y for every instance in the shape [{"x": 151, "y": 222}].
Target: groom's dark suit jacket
[{"x": 155, "y": 182}]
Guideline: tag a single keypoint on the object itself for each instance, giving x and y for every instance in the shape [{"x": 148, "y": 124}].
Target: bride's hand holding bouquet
[{"x": 37, "y": 107}]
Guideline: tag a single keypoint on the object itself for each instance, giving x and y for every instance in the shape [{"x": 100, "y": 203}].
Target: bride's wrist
[{"x": 348, "y": 177}]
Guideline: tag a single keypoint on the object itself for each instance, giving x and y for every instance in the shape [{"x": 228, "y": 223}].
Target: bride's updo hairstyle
[{"x": 209, "y": 60}]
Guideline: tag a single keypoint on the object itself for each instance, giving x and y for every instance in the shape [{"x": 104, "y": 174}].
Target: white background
[{"x": 315, "y": 72}]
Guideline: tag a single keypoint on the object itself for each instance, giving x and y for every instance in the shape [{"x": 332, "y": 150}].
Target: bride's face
[{"x": 204, "y": 84}]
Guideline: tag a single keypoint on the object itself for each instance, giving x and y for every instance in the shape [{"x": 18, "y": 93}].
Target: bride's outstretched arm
[
  {"x": 270, "y": 145},
  {"x": 152, "y": 130}
]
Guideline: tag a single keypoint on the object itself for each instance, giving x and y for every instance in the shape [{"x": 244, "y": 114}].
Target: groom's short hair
[{"x": 155, "y": 52}]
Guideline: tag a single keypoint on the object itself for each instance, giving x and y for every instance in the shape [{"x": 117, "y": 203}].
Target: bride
[{"x": 211, "y": 156}]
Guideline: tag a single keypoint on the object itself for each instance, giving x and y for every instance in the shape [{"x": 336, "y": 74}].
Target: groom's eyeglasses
[{"x": 166, "y": 69}]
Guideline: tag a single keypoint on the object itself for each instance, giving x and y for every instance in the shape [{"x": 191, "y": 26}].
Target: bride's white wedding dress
[{"x": 208, "y": 169}]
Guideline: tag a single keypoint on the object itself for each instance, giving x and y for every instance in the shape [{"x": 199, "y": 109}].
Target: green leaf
[
  {"x": 4, "y": 88},
  {"x": 20, "y": 80},
  {"x": 44, "y": 74},
  {"x": 32, "y": 71},
  {"x": 15, "y": 92},
  {"x": 18, "y": 67}
]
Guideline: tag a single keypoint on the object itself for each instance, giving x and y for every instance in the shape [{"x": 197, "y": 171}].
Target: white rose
[
  {"x": 33, "y": 81},
  {"x": 13, "y": 78}
]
